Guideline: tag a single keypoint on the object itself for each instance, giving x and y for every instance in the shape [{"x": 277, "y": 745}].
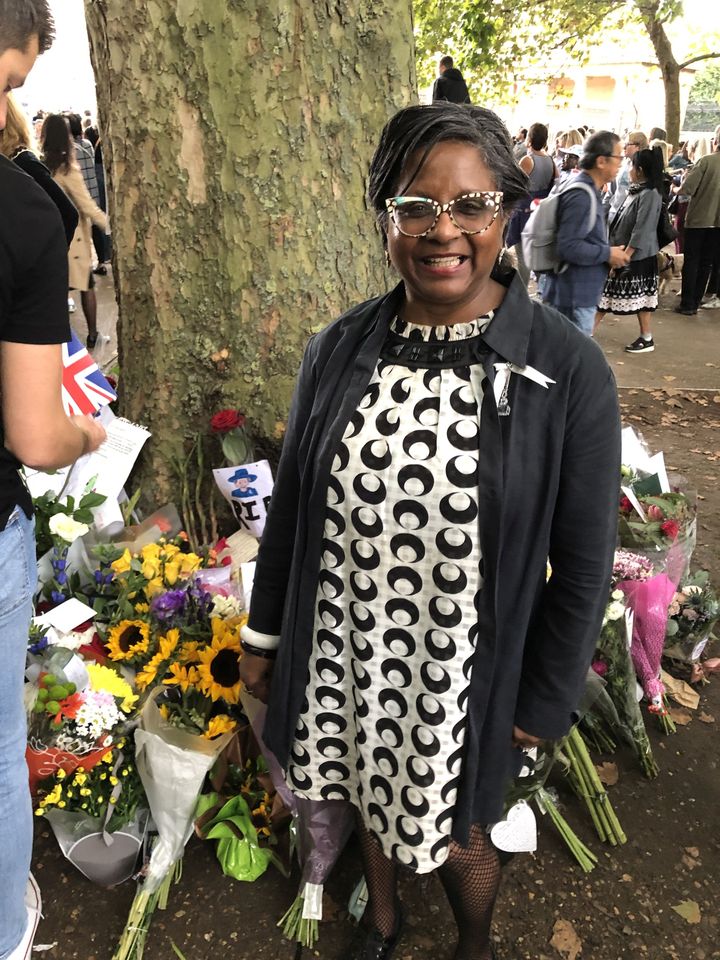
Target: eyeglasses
[
  {"x": 472, "y": 213},
  {"x": 613, "y": 156}
]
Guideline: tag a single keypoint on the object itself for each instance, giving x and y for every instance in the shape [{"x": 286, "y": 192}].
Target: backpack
[{"x": 540, "y": 233}]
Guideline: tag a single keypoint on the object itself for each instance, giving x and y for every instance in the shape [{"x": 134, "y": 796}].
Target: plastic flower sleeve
[
  {"x": 172, "y": 765},
  {"x": 107, "y": 859},
  {"x": 649, "y": 601}
]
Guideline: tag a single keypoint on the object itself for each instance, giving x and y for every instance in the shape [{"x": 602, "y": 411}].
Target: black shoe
[
  {"x": 372, "y": 945},
  {"x": 640, "y": 346},
  {"x": 100, "y": 270},
  {"x": 92, "y": 339},
  {"x": 685, "y": 311}
]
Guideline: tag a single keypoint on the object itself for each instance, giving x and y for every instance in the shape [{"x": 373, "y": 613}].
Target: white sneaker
[
  {"x": 71, "y": 305},
  {"x": 712, "y": 304},
  {"x": 33, "y": 904}
]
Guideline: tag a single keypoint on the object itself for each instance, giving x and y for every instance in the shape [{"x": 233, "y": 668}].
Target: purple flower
[
  {"x": 61, "y": 578},
  {"x": 57, "y": 597},
  {"x": 39, "y": 645},
  {"x": 165, "y": 606}
]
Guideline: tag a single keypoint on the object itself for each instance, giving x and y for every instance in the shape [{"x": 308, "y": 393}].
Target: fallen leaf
[
  {"x": 692, "y": 851},
  {"x": 706, "y": 717},
  {"x": 689, "y": 862},
  {"x": 688, "y": 910},
  {"x": 680, "y": 691},
  {"x": 608, "y": 773},
  {"x": 669, "y": 379},
  {"x": 680, "y": 715},
  {"x": 566, "y": 941}
]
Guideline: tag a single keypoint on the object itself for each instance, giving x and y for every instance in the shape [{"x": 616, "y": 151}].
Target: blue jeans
[
  {"x": 582, "y": 317},
  {"x": 17, "y": 582}
]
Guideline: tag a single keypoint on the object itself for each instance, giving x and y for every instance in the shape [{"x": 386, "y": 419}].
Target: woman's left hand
[{"x": 523, "y": 740}]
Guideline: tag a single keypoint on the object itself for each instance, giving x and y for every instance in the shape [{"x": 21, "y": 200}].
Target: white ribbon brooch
[{"x": 502, "y": 383}]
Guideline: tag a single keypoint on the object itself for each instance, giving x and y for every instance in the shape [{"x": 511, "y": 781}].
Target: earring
[{"x": 501, "y": 256}]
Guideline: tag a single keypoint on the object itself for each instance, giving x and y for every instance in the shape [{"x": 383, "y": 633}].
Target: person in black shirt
[
  {"x": 35, "y": 431},
  {"x": 450, "y": 84}
]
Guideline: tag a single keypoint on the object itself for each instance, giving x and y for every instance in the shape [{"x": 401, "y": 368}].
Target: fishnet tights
[{"x": 470, "y": 877}]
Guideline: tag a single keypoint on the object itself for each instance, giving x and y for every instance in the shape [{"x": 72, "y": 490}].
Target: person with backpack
[
  {"x": 581, "y": 239},
  {"x": 540, "y": 169},
  {"x": 634, "y": 288}
]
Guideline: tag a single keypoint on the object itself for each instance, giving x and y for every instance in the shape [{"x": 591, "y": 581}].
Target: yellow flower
[
  {"x": 151, "y": 552},
  {"x": 219, "y": 667},
  {"x": 156, "y": 585},
  {"x": 52, "y": 798},
  {"x": 79, "y": 779},
  {"x": 150, "y": 569},
  {"x": 39, "y": 812},
  {"x": 148, "y": 673},
  {"x": 218, "y": 725},
  {"x": 164, "y": 713},
  {"x": 61, "y": 774},
  {"x": 114, "y": 781},
  {"x": 105, "y": 678},
  {"x": 107, "y": 757},
  {"x": 189, "y": 563},
  {"x": 61, "y": 804},
  {"x": 113, "y": 799},
  {"x": 184, "y": 676},
  {"x": 189, "y": 651},
  {"x": 128, "y": 640},
  {"x": 142, "y": 607},
  {"x": 171, "y": 572},
  {"x": 169, "y": 642},
  {"x": 85, "y": 792},
  {"x": 170, "y": 550},
  {"x": 122, "y": 564}
]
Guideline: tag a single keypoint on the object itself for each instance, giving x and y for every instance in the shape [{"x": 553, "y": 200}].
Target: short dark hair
[
  {"x": 538, "y": 136},
  {"x": 600, "y": 144},
  {"x": 75, "y": 124},
  {"x": 446, "y": 61},
  {"x": 20, "y": 20},
  {"x": 422, "y": 128},
  {"x": 658, "y": 133},
  {"x": 651, "y": 163}
]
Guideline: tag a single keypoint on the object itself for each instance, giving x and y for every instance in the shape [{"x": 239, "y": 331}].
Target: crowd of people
[
  {"x": 652, "y": 206},
  {"x": 63, "y": 155}
]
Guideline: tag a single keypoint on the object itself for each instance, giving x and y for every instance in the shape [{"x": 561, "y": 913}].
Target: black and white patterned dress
[{"x": 384, "y": 719}]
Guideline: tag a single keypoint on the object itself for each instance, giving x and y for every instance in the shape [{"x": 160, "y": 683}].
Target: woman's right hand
[{"x": 256, "y": 673}]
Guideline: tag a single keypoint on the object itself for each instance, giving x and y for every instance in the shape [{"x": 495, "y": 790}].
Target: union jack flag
[{"x": 84, "y": 388}]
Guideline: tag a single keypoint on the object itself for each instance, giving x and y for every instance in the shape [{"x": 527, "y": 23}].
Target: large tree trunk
[
  {"x": 669, "y": 67},
  {"x": 237, "y": 138}
]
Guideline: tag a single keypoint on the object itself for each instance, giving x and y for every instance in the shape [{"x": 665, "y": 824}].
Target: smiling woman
[{"x": 443, "y": 439}]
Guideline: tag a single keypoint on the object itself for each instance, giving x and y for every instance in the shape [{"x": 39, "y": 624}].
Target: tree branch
[{"x": 703, "y": 56}]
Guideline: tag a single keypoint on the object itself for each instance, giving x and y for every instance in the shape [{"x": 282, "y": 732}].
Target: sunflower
[
  {"x": 189, "y": 651},
  {"x": 183, "y": 676},
  {"x": 169, "y": 642},
  {"x": 219, "y": 725},
  {"x": 149, "y": 672},
  {"x": 219, "y": 668},
  {"x": 129, "y": 639}
]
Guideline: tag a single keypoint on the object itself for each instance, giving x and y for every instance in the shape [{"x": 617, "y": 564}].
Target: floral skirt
[{"x": 632, "y": 289}]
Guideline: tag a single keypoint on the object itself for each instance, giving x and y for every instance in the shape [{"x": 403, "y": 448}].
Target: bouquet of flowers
[
  {"x": 694, "y": 610},
  {"x": 72, "y": 724},
  {"x": 98, "y": 815},
  {"x": 614, "y": 662}
]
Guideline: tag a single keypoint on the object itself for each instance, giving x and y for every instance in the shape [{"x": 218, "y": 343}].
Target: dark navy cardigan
[{"x": 548, "y": 478}]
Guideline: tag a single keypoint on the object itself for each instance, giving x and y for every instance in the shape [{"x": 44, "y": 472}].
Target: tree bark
[
  {"x": 237, "y": 137},
  {"x": 669, "y": 67}
]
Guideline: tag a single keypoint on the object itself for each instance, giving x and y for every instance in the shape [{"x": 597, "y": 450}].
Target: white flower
[
  {"x": 63, "y": 526},
  {"x": 617, "y": 595},
  {"x": 615, "y": 610},
  {"x": 226, "y": 607}
]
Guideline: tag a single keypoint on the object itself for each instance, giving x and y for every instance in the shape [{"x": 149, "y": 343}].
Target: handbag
[{"x": 666, "y": 232}]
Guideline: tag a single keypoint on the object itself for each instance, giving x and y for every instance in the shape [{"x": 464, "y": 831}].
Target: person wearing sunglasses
[{"x": 443, "y": 440}]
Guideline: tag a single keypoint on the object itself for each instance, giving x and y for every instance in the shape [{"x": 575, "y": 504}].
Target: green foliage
[{"x": 498, "y": 43}]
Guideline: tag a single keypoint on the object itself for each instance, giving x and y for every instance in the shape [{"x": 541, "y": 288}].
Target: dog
[{"x": 669, "y": 268}]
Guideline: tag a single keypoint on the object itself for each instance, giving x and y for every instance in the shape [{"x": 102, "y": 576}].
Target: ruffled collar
[{"x": 440, "y": 334}]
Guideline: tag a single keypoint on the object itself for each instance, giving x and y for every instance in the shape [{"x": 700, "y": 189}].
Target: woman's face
[
  {"x": 446, "y": 268},
  {"x": 636, "y": 174}
]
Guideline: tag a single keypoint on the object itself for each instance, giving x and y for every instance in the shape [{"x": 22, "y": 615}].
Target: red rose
[
  {"x": 625, "y": 505},
  {"x": 225, "y": 420},
  {"x": 671, "y": 528}
]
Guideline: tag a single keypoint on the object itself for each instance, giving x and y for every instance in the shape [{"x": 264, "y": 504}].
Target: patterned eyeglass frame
[{"x": 440, "y": 208}]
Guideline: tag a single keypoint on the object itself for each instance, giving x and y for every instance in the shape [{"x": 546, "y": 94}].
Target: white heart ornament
[{"x": 517, "y": 833}]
